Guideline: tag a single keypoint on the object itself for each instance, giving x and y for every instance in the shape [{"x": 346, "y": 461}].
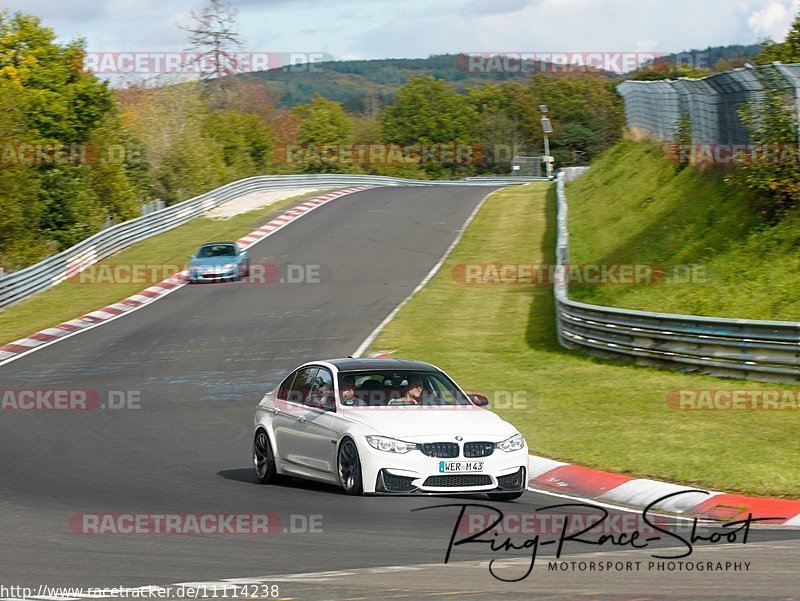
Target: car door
[
  {"x": 290, "y": 415},
  {"x": 315, "y": 429}
]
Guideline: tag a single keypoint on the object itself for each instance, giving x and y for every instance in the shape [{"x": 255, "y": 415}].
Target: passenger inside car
[{"x": 348, "y": 392}]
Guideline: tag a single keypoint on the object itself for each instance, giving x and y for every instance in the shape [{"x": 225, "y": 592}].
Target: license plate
[{"x": 460, "y": 466}]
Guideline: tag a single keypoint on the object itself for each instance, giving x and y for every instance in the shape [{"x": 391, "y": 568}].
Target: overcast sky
[{"x": 418, "y": 28}]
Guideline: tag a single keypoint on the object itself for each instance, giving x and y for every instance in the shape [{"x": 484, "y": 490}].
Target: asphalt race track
[{"x": 197, "y": 362}]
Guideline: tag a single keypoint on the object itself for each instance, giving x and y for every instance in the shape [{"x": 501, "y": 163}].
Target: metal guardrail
[
  {"x": 741, "y": 348},
  {"x": 19, "y": 285},
  {"x": 572, "y": 173}
]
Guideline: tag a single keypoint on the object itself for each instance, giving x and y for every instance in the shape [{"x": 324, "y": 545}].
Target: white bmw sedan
[{"x": 386, "y": 426}]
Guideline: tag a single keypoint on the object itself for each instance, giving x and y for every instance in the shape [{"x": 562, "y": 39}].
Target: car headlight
[
  {"x": 390, "y": 445},
  {"x": 515, "y": 443},
  {"x": 228, "y": 266}
]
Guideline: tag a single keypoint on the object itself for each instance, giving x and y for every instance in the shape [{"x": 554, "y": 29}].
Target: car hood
[
  {"x": 413, "y": 424},
  {"x": 212, "y": 261}
]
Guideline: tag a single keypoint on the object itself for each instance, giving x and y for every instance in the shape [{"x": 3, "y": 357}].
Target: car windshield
[
  {"x": 390, "y": 388},
  {"x": 216, "y": 250}
]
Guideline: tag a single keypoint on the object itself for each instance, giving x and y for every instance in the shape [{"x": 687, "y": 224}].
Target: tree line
[{"x": 77, "y": 154}]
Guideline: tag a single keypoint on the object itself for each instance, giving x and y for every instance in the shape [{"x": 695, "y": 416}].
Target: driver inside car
[{"x": 413, "y": 395}]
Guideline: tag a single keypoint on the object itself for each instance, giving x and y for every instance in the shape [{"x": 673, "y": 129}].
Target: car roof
[
  {"x": 217, "y": 243},
  {"x": 350, "y": 364}
]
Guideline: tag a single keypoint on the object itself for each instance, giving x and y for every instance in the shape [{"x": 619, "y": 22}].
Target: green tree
[
  {"x": 72, "y": 210},
  {"x": 61, "y": 101},
  {"x": 427, "y": 111},
  {"x": 586, "y": 114},
  {"x": 772, "y": 125},
  {"x": 500, "y": 124},
  {"x": 323, "y": 129},
  {"x": 246, "y": 142},
  {"x": 670, "y": 70},
  {"x": 66, "y": 118},
  {"x": 181, "y": 156},
  {"x": 20, "y": 242},
  {"x": 114, "y": 160},
  {"x": 322, "y": 121}
]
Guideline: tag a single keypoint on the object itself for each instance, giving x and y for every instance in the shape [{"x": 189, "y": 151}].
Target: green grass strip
[{"x": 635, "y": 206}]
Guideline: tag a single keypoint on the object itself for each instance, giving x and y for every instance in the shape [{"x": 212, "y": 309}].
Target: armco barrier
[
  {"x": 742, "y": 348},
  {"x": 19, "y": 285}
]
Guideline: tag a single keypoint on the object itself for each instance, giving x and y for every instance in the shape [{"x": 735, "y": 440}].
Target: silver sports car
[{"x": 219, "y": 261}]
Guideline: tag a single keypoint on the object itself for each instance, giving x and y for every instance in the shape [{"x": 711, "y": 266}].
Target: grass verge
[
  {"x": 72, "y": 299},
  {"x": 657, "y": 213},
  {"x": 500, "y": 339}
]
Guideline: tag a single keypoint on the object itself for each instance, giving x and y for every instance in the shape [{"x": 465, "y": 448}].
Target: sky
[{"x": 368, "y": 29}]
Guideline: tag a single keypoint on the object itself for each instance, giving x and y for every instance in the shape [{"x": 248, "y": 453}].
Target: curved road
[{"x": 198, "y": 361}]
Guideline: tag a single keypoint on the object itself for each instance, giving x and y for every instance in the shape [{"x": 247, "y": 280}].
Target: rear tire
[{"x": 348, "y": 465}]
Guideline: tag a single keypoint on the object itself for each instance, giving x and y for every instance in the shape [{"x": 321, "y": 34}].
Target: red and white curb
[
  {"x": 546, "y": 475},
  {"x": 14, "y": 350}
]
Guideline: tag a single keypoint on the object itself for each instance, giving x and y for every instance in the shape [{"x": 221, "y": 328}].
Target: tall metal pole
[
  {"x": 548, "y": 164},
  {"x": 547, "y": 128}
]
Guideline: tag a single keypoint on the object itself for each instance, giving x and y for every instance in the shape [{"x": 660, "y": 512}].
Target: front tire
[
  {"x": 349, "y": 468},
  {"x": 264, "y": 459},
  {"x": 505, "y": 496}
]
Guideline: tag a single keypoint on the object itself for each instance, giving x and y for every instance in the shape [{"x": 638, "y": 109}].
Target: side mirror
[
  {"x": 479, "y": 400},
  {"x": 243, "y": 253},
  {"x": 192, "y": 257}
]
